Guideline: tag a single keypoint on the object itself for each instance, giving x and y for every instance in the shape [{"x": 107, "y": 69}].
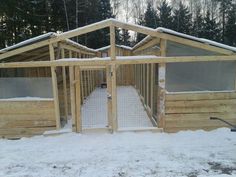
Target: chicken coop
[{"x": 167, "y": 82}]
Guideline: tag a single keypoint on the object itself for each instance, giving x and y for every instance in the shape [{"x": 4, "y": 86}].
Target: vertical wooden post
[
  {"x": 64, "y": 86},
  {"x": 113, "y": 77},
  {"x": 72, "y": 94},
  {"x": 78, "y": 100},
  {"x": 55, "y": 89},
  {"x": 161, "y": 86},
  {"x": 109, "y": 103},
  {"x": 152, "y": 85}
]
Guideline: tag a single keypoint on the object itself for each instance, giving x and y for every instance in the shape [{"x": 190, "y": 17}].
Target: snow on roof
[
  {"x": 172, "y": 32},
  {"x": 29, "y": 41},
  {"x": 121, "y": 46},
  {"x": 41, "y": 38},
  {"x": 80, "y": 45}
]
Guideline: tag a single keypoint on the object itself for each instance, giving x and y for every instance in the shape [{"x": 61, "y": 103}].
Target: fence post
[{"x": 161, "y": 87}]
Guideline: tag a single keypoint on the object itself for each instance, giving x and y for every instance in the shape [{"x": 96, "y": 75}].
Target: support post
[
  {"x": 161, "y": 87},
  {"x": 55, "y": 89},
  {"x": 72, "y": 94},
  {"x": 113, "y": 78},
  {"x": 64, "y": 86},
  {"x": 78, "y": 100}
]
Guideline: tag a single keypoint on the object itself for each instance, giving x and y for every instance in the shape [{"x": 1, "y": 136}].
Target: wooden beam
[
  {"x": 72, "y": 97},
  {"x": 55, "y": 89},
  {"x": 74, "y": 49},
  {"x": 64, "y": 86},
  {"x": 161, "y": 87},
  {"x": 149, "y": 44},
  {"x": 136, "y": 28},
  {"x": 78, "y": 100},
  {"x": 109, "y": 101},
  {"x": 113, "y": 78},
  {"x": 23, "y": 49},
  {"x": 123, "y": 61}
]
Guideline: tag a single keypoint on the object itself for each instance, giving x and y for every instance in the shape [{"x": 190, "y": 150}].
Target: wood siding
[
  {"x": 26, "y": 118},
  {"x": 191, "y": 111}
]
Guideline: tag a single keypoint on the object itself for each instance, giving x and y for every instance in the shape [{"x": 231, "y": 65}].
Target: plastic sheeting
[
  {"x": 200, "y": 76},
  {"x": 16, "y": 87}
]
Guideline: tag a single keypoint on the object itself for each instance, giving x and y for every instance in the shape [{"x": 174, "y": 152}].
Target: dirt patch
[{"x": 222, "y": 169}]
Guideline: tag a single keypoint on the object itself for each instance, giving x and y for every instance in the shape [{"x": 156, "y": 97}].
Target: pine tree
[
  {"x": 225, "y": 5},
  {"x": 182, "y": 19},
  {"x": 125, "y": 37},
  {"x": 230, "y": 28},
  {"x": 149, "y": 19},
  {"x": 198, "y": 23},
  {"x": 211, "y": 29},
  {"x": 165, "y": 19},
  {"x": 150, "y": 16}
]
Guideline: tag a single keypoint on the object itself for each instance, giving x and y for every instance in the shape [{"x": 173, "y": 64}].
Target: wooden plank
[
  {"x": 161, "y": 87},
  {"x": 123, "y": 61},
  {"x": 78, "y": 101},
  {"x": 199, "y": 103},
  {"x": 72, "y": 97},
  {"x": 149, "y": 44},
  {"x": 55, "y": 89},
  {"x": 109, "y": 103},
  {"x": 64, "y": 86},
  {"x": 201, "y": 96},
  {"x": 27, "y": 123},
  {"x": 208, "y": 108}
]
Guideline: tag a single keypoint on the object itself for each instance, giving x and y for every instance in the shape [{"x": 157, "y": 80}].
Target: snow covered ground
[
  {"x": 130, "y": 111},
  {"x": 188, "y": 154}
]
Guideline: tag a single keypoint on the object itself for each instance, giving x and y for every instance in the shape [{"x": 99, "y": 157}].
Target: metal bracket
[{"x": 109, "y": 96}]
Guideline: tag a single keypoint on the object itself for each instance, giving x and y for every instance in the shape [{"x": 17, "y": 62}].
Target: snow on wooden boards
[
  {"x": 193, "y": 110},
  {"x": 26, "y": 118}
]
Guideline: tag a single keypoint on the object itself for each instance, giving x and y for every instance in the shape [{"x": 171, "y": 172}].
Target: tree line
[
  {"x": 199, "y": 24},
  {"x": 24, "y": 19}
]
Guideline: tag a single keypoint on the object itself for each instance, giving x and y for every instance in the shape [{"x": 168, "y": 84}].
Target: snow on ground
[
  {"x": 130, "y": 111},
  {"x": 188, "y": 154}
]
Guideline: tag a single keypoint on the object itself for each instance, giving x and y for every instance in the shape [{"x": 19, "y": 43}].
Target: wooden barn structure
[{"x": 167, "y": 82}]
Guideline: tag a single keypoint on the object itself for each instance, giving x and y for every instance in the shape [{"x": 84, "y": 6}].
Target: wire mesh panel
[
  {"x": 94, "y": 99},
  {"x": 132, "y": 111}
]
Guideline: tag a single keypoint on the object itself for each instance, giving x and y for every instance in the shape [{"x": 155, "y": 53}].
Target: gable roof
[{"x": 185, "y": 36}]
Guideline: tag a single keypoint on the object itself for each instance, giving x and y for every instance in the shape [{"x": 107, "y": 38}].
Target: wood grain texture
[
  {"x": 26, "y": 118},
  {"x": 191, "y": 111}
]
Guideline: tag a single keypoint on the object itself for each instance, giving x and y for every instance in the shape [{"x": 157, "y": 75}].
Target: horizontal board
[
  {"x": 26, "y": 107},
  {"x": 20, "y": 132},
  {"x": 197, "y": 123},
  {"x": 26, "y": 118},
  {"x": 27, "y": 124},
  {"x": 200, "y": 103},
  {"x": 206, "y": 109},
  {"x": 201, "y": 96},
  {"x": 177, "y": 129}
]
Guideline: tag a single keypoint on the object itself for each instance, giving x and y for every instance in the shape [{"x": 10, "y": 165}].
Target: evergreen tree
[
  {"x": 182, "y": 19},
  {"x": 225, "y": 5},
  {"x": 211, "y": 29},
  {"x": 140, "y": 36},
  {"x": 230, "y": 28},
  {"x": 150, "y": 16},
  {"x": 165, "y": 19},
  {"x": 198, "y": 23},
  {"x": 125, "y": 37},
  {"x": 149, "y": 20}
]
